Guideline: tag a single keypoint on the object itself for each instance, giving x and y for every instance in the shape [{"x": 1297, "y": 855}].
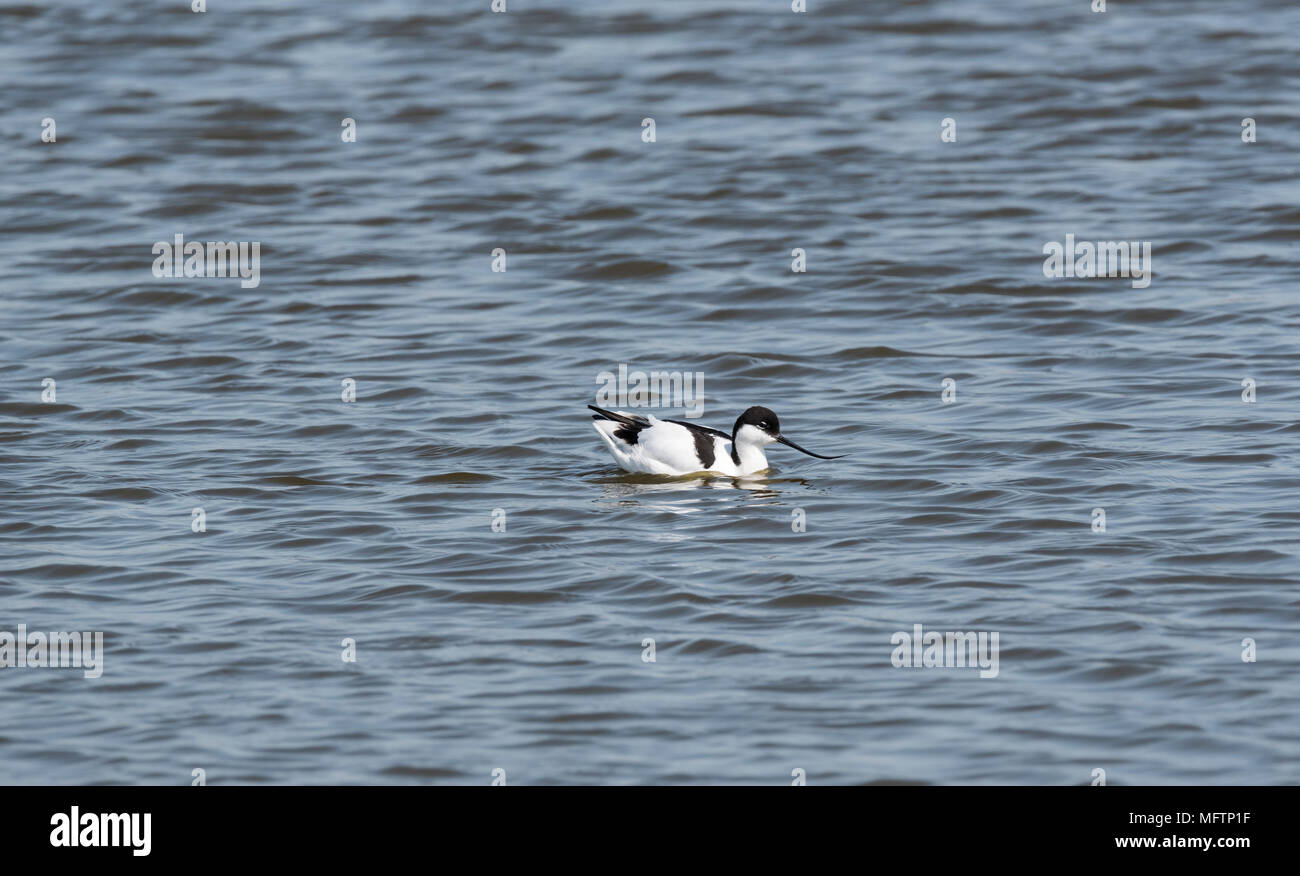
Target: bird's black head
[
  {"x": 760, "y": 417},
  {"x": 766, "y": 423}
]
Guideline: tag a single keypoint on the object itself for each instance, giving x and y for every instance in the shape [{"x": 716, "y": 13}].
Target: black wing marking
[
  {"x": 694, "y": 428},
  {"x": 704, "y": 443},
  {"x": 629, "y": 427}
]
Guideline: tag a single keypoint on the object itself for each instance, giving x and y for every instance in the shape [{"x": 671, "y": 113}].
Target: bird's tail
[{"x": 603, "y": 414}]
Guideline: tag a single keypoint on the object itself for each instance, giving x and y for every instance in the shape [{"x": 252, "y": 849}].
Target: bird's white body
[{"x": 665, "y": 447}]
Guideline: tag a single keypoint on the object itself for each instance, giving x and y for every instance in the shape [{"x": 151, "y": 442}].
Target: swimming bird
[{"x": 654, "y": 446}]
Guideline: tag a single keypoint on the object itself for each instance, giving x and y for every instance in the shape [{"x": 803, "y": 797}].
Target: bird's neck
[{"x": 751, "y": 456}]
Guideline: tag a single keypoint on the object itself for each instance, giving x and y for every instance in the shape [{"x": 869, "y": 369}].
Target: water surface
[{"x": 522, "y": 649}]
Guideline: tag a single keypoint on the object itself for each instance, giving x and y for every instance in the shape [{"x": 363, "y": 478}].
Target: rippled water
[{"x": 522, "y": 650}]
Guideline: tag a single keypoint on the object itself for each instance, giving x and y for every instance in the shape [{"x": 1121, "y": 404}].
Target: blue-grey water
[{"x": 522, "y": 650}]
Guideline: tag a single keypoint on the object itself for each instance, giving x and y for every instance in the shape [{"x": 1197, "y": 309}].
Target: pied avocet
[{"x": 671, "y": 447}]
